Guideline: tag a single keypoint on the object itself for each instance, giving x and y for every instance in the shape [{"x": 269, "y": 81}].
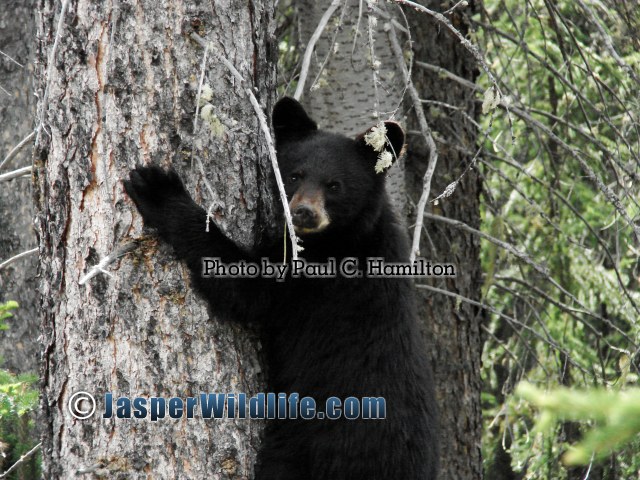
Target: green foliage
[
  {"x": 4, "y": 312},
  {"x": 17, "y": 395},
  {"x": 18, "y": 400},
  {"x": 616, "y": 414},
  {"x": 572, "y": 126}
]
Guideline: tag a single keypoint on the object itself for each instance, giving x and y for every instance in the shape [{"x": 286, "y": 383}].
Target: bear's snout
[
  {"x": 304, "y": 216},
  {"x": 308, "y": 212}
]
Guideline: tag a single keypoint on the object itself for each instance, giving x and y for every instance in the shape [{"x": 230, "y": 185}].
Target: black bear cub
[{"x": 323, "y": 337}]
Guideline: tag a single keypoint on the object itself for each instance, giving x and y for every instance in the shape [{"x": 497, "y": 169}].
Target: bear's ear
[
  {"x": 290, "y": 121},
  {"x": 378, "y": 140}
]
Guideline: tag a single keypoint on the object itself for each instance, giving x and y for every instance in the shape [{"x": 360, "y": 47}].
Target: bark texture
[
  {"x": 452, "y": 327},
  {"x": 343, "y": 98},
  {"x": 18, "y": 344},
  {"x": 122, "y": 91}
]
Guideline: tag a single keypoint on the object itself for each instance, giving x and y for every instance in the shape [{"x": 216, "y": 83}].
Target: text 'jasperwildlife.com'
[{"x": 210, "y": 406}]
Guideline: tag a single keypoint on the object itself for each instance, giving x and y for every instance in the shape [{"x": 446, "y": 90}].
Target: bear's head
[{"x": 332, "y": 182}]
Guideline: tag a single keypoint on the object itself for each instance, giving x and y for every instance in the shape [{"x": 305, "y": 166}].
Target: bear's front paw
[{"x": 155, "y": 191}]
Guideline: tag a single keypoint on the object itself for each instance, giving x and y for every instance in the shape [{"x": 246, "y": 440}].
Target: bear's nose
[{"x": 304, "y": 216}]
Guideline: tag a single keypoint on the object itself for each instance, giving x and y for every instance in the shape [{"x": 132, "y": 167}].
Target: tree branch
[
  {"x": 9, "y": 261},
  {"x": 108, "y": 260},
  {"x": 20, "y": 172},
  {"x": 426, "y": 133},
  {"x": 306, "y": 61},
  {"x": 22, "y": 459},
  {"x": 16, "y": 149}
]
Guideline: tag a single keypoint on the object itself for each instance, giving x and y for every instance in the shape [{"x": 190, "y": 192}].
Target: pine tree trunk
[
  {"x": 18, "y": 344},
  {"x": 122, "y": 91},
  {"x": 452, "y": 327}
]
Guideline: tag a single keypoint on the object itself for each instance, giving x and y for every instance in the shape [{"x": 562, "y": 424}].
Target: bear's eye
[
  {"x": 294, "y": 177},
  {"x": 333, "y": 186}
]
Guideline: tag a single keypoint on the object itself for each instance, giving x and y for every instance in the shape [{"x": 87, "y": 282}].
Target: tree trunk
[
  {"x": 18, "y": 344},
  {"x": 452, "y": 327},
  {"x": 122, "y": 91},
  {"x": 344, "y": 99}
]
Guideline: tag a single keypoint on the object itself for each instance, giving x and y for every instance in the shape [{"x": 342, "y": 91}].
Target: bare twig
[
  {"x": 606, "y": 190},
  {"x": 108, "y": 260},
  {"x": 311, "y": 45},
  {"x": 512, "y": 321},
  {"x": 356, "y": 32},
  {"x": 608, "y": 193},
  {"x": 385, "y": 15},
  {"x": 270, "y": 145},
  {"x": 526, "y": 117},
  {"x": 477, "y": 54},
  {"x": 526, "y": 258},
  {"x": 16, "y": 149},
  {"x": 374, "y": 63},
  {"x": 203, "y": 173},
  {"x": 461, "y": 3},
  {"x": 463, "y": 40},
  {"x": 452, "y": 76},
  {"x": 580, "y": 217},
  {"x": 20, "y": 461},
  {"x": 331, "y": 46},
  {"x": 9, "y": 261},
  {"x": 504, "y": 245},
  {"x": 609, "y": 43},
  {"x": 426, "y": 133},
  {"x": 572, "y": 311},
  {"x": 11, "y": 59},
  {"x": 15, "y": 174},
  {"x": 203, "y": 69},
  {"x": 580, "y": 95},
  {"x": 504, "y": 345}
]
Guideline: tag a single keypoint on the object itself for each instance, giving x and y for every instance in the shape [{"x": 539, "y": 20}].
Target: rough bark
[
  {"x": 18, "y": 345},
  {"x": 122, "y": 92},
  {"x": 452, "y": 327},
  {"x": 344, "y": 99}
]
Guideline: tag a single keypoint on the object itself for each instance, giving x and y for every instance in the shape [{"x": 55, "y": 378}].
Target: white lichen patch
[
  {"x": 206, "y": 94},
  {"x": 491, "y": 100},
  {"x": 208, "y": 115},
  {"x": 321, "y": 83},
  {"x": 385, "y": 160},
  {"x": 376, "y": 137},
  {"x": 449, "y": 190}
]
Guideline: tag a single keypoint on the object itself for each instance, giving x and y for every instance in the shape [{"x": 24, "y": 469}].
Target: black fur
[{"x": 323, "y": 337}]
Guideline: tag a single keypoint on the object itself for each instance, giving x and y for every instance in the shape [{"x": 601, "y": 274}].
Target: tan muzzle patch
[{"x": 308, "y": 212}]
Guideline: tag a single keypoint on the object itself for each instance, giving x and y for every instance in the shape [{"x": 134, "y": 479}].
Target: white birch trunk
[{"x": 344, "y": 98}]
